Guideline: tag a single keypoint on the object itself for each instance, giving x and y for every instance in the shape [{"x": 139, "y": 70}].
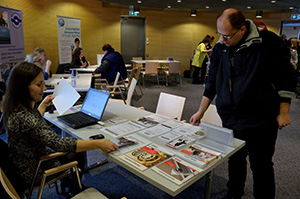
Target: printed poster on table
[
  {"x": 68, "y": 29},
  {"x": 11, "y": 35}
]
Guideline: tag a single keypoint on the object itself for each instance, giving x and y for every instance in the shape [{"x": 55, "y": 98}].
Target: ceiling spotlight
[
  {"x": 291, "y": 7},
  {"x": 193, "y": 13},
  {"x": 259, "y": 14},
  {"x": 224, "y": 0},
  {"x": 179, "y": 1},
  {"x": 273, "y": 1},
  {"x": 249, "y": 7},
  {"x": 169, "y": 7},
  {"x": 139, "y": 1},
  {"x": 206, "y": 7}
]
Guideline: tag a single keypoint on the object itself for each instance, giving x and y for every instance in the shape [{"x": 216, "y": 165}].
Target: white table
[
  {"x": 89, "y": 69},
  {"x": 83, "y": 81},
  {"x": 131, "y": 113}
]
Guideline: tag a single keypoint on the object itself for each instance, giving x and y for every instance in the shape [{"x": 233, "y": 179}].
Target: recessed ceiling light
[
  {"x": 179, "y": 1},
  {"x": 224, "y": 0},
  {"x": 273, "y": 1},
  {"x": 206, "y": 7},
  {"x": 139, "y": 1},
  {"x": 249, "y": 7},
  {"x": 291, "y": 7},
  {"x": 169, "y": 7}
]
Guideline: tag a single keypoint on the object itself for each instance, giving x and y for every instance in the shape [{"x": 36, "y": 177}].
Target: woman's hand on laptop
[{"x": 107, "y": 145}]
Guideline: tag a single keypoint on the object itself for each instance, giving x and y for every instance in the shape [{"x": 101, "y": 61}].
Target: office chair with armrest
[
  {"x": 170, "y": 105},
  {"x": 90, "y": 193},
  {"x": 130, "y": 92}
]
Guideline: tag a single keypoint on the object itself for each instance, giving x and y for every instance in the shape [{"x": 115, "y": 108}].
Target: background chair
[
  {"x": 211, "y": 116},
  {"x": 130, "y": 92},
  {"x": 151, "y": 70},
  {"x": 170, "y": 105},
  {"x": 174, "y": 69},
  {"x": 63, "y": 68}
]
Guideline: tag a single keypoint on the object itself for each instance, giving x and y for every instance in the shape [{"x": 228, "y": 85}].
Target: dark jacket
[
  {"x": 251, "y": 84},
  {"x": 111, "y": 63}
]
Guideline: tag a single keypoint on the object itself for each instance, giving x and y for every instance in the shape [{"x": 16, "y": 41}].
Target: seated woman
[
  {"x": 111, "y": 63},
  {"x": 46, "y": 64},
  {"x": 78, "y": 60},
  {"x": 36, "y": 59},
  {"x": 28, "y": 134}
]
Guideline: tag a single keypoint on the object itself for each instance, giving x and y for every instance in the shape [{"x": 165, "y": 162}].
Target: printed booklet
[
  {"x": 176, "y": 170},
  {"x": 179, "y": 141},
  {"x": 146, "y": 156},
  {"x": 199, "y": 155}
]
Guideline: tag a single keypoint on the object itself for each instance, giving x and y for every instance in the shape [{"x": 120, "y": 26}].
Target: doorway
[
  {"x": 132, "y": 37},
  {"x": 290, "y": 28}
]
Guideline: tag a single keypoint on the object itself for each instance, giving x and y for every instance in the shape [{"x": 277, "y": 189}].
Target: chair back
[
  {"x": 151, "y": 68},
  {"x": 137, "y": 58},
  {"x": 8, "y": 187},
  {"x": 137, "y": 73},
  {"x": 170, "y": 105},
  {"x": 131, "y": 90},
  {"x": 174, "y": 68},
  {"x": 211, "y": 116}
]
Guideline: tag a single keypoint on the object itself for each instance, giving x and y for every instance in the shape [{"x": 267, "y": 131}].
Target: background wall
[{"x": 171, "y": 33}]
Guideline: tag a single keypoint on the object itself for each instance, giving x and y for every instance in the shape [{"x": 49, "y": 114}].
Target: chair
[
  {"x": 151, "y": 70},
  {"x": 137, "y": 65},
  {"x": 90, "y": 193},
  {"x": 170, "y": 105},
  {"x": 211, "y": 116},
  {"x": 174, "y": 69},
  {"x": 130, "y": 92},
  {"x": 63, "y": 68},
  {"x": 7, "y": 165}
]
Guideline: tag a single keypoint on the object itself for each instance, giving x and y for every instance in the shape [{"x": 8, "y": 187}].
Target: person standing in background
[
  {"x": 253, "y": 79},
  {"x": 206, "y": 59},
  {"x": 198, "y": 58}
]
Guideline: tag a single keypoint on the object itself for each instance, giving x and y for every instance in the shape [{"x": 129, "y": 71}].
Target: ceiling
[{"x": 279, "y": 5}]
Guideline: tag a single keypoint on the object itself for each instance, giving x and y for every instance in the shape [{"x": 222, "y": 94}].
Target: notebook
[{"x": 91, "y": 111}]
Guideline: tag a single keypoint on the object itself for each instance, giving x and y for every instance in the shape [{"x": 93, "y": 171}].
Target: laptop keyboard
[{"x": 78, "y": 120}]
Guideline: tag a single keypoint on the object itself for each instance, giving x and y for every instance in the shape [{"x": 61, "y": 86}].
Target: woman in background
[
  {"x": 198, "y": 58},
  {"x": 78, "y": 60},
  {"x": 46, "y": 63}
]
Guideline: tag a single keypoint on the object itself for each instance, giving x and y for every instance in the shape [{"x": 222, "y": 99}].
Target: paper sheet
[{"x": 65, "y": 96}]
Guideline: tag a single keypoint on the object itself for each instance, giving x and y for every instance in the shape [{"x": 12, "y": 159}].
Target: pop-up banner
[
  {"x": 11, "y": 35},
  {"x": 68, "y": 30}
]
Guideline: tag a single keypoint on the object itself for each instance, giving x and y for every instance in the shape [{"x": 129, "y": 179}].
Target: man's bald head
[{"x": 235, "y": 17}]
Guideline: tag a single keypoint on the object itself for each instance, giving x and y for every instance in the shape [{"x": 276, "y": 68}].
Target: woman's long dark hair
[
  {"x": 17, "y": 92},
  {"x": 77, "y": 54}
]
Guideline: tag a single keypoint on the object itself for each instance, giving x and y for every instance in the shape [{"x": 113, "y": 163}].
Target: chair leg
[{"x": 167, "y": 80}]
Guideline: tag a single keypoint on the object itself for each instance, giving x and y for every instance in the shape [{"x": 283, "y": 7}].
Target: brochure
[
  {"x": 180, "y": 141},
  {"x": 176, "y": 170},
  {"x": 199, "y": 155},
  {"x": 193, "y": 131},
  {"x": 155, "y": 131},
  {"x": 146, "y": 156},
  {"x": 145, "y": 121},
  {"x": 122, "y": 129},
  {"x": 140, "y": 142}
]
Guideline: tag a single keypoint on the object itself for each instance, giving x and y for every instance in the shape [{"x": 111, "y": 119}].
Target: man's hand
[
  {"x": 283, "y": 119},
  {"x": 196, "y": 118}
]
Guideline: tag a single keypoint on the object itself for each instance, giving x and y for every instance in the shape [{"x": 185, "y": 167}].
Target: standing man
[{"x": 252, "y": 77}]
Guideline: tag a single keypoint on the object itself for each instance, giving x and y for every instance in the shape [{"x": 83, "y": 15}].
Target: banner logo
[
  {"x": 16, "y": 20},
  {"x": 61, "y": 22}
]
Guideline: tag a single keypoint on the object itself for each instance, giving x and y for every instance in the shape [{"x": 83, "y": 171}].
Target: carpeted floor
[{"x": 116, "y": 182}]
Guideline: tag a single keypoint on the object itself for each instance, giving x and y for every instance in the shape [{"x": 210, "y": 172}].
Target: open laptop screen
[{"x": 94, "y": 103}]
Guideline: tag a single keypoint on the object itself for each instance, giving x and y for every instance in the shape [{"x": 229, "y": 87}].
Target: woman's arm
[
  {"x": 44, "y": 104},
  {"x": 103, "y": 144}
]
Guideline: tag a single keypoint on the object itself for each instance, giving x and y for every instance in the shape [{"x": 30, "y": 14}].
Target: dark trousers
[
  {"x": 260, "y": 146},
  {"x": 196, "y": 75}
]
